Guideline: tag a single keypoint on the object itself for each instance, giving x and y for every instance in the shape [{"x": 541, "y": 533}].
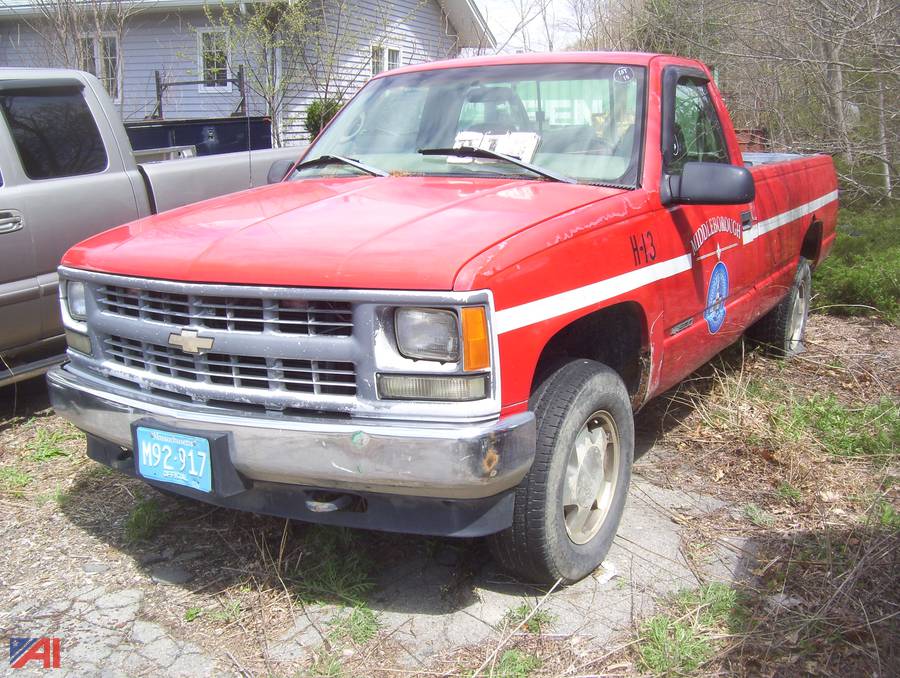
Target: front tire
[
  {"x": 782, "y": 330},
  {"x": 569, "y": 505}
]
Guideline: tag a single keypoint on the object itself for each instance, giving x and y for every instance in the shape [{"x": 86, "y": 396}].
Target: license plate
[{"x": 174, "y": 458}]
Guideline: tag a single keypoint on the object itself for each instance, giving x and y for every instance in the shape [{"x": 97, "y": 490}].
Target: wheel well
[
  {"x": 812, "y": 242},
  {"x": 615, "y": 336}
]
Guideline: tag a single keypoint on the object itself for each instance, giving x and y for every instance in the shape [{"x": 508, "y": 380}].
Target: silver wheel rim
[
  {"x": 592, "y": 471},
  {"x": 798, "y": 316}
]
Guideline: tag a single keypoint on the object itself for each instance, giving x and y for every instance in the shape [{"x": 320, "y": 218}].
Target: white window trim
[
  {"x": 213, "y": 88},
  {"x": 98, "y": 59},
  {"x": 385, "y": 46}
]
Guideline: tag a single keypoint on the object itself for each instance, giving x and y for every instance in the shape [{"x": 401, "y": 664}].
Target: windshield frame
[{"x": 633, "y": 173}]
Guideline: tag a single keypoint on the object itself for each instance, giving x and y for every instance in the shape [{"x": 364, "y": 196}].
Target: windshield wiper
[
  {"x": 471, "y": 152},
  {"x": 341, "y": 160}
]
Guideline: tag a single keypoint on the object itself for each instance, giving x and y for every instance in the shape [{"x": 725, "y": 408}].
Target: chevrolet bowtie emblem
[{"x": 189, "y": 342}]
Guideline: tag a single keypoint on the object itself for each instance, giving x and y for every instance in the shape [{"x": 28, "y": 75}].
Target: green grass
[
  {"x": 359, "y": 625},
  {"x": 516, "y": 664},
  {"x": 789, "y": 493},
  {"x": 47, "y": 444},
  {"x": 871, "y": 431},
  {"x": 864, "y": 266},
  {"x": 229, "y": 612},
  {"x": 757, "y": 516},
  {"x": 333, "y": 568},
  {"x": 535, "y": 624},
  {"x": 683, "y": 639},
  {"x": 669, "y": 647},
  {"x": 144, "y": 520},
  {"x": 326, "y": 666},
  {"x": 887, "y": 515},
  {"x": 13, "y": 480},
  {"x": 192, "y": 613}
]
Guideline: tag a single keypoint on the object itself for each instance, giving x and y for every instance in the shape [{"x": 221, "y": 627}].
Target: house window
[
  {"x": 214, "y": 64},
  {"x": 100, "y": 57},
  {"x": 384, "y": 58}
]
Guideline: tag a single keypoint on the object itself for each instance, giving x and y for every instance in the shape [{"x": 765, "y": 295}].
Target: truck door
[
  {"x": 73, "y": 182},
  {"x": 20, "y": 303},
  {"x": 704, "y": 308}
]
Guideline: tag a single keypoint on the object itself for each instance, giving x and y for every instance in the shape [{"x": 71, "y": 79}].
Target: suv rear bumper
[{"x": 471, "y": 465}]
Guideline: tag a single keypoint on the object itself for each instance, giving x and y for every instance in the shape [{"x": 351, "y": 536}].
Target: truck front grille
[
  {"x": 273, "y": 348},
  {"x": 232, "y": 371},
  {"x": 246, "y": 314}
]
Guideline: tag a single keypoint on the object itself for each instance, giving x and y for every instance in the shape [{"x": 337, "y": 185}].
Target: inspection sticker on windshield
[
  {"x": 174, "y": 458},
  {"x": 623, "y": 74}
]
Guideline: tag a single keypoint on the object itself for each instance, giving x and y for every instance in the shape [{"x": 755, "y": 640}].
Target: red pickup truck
[{"x": 443, "y": 318}]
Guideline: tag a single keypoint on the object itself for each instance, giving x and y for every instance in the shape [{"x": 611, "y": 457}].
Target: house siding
[
  {"x": 168, "y": 42},
  {"x": 418, "y": 27}
]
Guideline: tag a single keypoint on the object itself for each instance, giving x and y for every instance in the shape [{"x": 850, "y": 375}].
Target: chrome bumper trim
[{"x": 450, "y": 461}]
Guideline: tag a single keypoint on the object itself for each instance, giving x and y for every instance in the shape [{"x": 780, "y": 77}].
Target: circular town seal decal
[{"x": 715, "y": 298}]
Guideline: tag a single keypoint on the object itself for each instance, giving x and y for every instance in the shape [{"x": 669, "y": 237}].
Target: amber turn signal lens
[{"x": 476, "y": 345}]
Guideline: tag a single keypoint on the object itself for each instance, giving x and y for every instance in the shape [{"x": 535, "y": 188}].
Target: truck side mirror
[
  {"x": 709, "y": 183},
  {"x": 278, "y": 171}
]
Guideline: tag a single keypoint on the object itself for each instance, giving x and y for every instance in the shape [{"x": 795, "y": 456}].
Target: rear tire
[
  {"x": 781, "y": 330},
  {"x": 569, "y": 505}
]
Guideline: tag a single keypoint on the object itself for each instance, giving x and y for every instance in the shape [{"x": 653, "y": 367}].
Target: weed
[
  {"x": 789, "y": 493},
  {"x": 192, "y": 613},
  {"x": 332, "y": 569},
  {"x": 326, "y": 666},
  {"x": 757, "y": 516},
  {"x": 47, "y": 444},
  {"x": 887, "y": 515},
  {"x": 230, "y": 612},
  {"x": 668, "y": 646},
  {"x": 535, "y": 624},
  {"x": 144, "y": 520},
  {"x": 13, "y": 480},
  {"x": 360, "y": 625},
  {"x": 717, "y": 605},
  {"x": 516, "y": 664},
  {"x": 685, "y": 638}
]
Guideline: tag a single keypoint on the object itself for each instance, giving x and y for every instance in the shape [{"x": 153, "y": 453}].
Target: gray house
[{"x": 140, "y": 48}]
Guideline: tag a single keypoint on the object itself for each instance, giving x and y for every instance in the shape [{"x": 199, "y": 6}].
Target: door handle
[
  {"x": 747, "y": 220},
  {"x": 10, "y": 221}
]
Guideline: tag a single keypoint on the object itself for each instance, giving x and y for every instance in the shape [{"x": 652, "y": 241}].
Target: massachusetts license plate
[{"x": 174, "y": 458}]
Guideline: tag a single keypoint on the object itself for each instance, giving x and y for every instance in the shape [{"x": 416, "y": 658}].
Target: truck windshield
[{"x": 576, "y": 120}]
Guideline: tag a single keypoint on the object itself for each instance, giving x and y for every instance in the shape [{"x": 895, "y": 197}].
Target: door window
[
  {"x": 698, "y": 132},
  {"x": 54, "y": 132}
]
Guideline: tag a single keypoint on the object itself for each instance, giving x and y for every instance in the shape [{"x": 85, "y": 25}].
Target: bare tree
[
  {"x": 818, "y": 75},
  {"x": 75, "y": 34},
  {"x": 264, "y": 37}
]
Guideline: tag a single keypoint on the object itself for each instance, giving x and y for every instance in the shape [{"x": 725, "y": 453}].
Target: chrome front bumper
[{"x": 395, "y": 458}]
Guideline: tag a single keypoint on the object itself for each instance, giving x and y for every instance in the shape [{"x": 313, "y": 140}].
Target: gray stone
[
  {"x": 170, "y": 575},
  {"x": 94, "y": 568}
]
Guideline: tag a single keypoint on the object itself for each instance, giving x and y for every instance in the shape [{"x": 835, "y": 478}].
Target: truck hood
[{"x": 379, "y": 232}]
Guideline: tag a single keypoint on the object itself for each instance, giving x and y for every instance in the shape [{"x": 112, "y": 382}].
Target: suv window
[
  {"x": 54, "y": 132},
  {"x": 698, "y": 132}
]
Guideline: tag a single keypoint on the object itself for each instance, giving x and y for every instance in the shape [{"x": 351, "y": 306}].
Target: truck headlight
[
  {"x": 427, "y": 334},
  {"x": 76, "y": 301}
]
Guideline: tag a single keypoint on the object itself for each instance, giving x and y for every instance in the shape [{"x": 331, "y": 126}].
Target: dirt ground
[{"x": 136, "y": 582}]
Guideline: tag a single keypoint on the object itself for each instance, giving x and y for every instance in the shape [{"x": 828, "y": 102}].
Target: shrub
[
  {"x": 319, "y": 113},
  {"x": 864, "y": 267}
]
